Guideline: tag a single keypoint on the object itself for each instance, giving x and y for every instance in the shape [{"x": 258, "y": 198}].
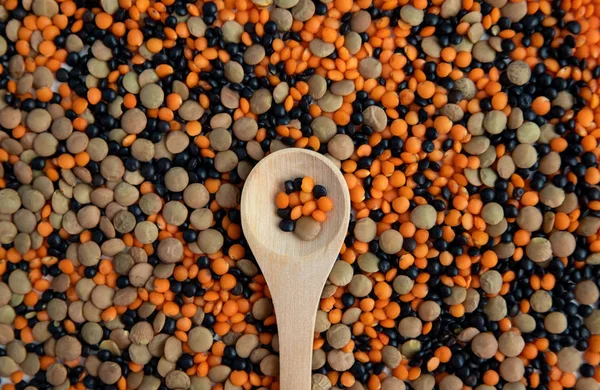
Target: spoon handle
[{"x": 296, "y": 308}]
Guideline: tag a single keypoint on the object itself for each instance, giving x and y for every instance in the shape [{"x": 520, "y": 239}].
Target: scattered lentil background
[{"x": 467, "y": 132}]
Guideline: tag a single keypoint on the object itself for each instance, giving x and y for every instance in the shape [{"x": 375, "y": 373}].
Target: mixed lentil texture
[
  {"x": 466, "y": 130},
  {"x": 302, "y": 207}
]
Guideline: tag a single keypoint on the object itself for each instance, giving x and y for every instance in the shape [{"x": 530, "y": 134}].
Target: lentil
[{"x": 465, "y": 130}]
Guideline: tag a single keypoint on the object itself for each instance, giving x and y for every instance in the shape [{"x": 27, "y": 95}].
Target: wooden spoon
[{"x": 295, "y": 270}]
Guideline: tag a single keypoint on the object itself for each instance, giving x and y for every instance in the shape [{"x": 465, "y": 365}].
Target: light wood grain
[{"x": 295, "y": 270}]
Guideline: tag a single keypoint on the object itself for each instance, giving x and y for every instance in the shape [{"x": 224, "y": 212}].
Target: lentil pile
[
  {"x": 466, "y": 130},
  {"x": 302, "y": 207}
]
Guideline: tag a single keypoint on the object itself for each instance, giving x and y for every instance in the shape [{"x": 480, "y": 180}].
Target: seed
[
  {"x": 365, "y": 230},
  {"x": 564, "y": 99},
  {"x": 518, "y": 72},
  {"x": 330, "y": 102},
  {"x": 254, "y": 54},
  {"x": 411, "y": 15},
  {"x": 200, "y": 339},
  {"x": 515, "y": 11},
  {"x": 477, "y": 145},
  {"x": 341, "y": 273},
  {"x": 495, "y": 122},
  {"x": 228, "y": 196},
  {"x": 563, "y": 243},
  {"x": 370, "y": 68},
  {"x": 128, "y": 295},
  {"x": 234, "y": 72},
  {"x": 232, "y": 31},
  {"x": 5, "y": 294},
  {"x": 588, "y": 226},
  {"x": 307, "y": 228},
  {"x": 391, "y": 241},
  {"x": 424, "y": 382},
  {"x": 586, "y": 292},
  {"x": 352, "y": 42},
  {"x": 209, "y": 241},
  {"x": 8, "y": 232},
  {"x": 512, "y": 369},
  {"x": 102, "y": 296},
  {"x": 6, "y": 334},
  {"x": 453, "y": 112},
  {"x": 176, "y": 179},
  {"x": 190, "y": 111},
  {"x": 320, "y": 382},
  {"x": 592, "y": 322},
  {"x": 569, "y": 359},
  {"x": 525, "y": 323},
  {"x": 495, "y": 308},
  {"x": 282, "y": 18},
  {"x": 201, "y": 219},
  {"x": 403, "y": 284},
  {"x": 492, "y": 213},
  {"x": 317, "y": 86},
  {"x": 539, "y": 249},
  {"x": 392, "y": 383},
  {"x": 270, "y": 365},
  {"x": 57, "y": 309},
  {"x": 280, "y": 92},
  {"x": 170, "y": 250},
  {"x": 338, "y": 336},
  {"x": 484, "y": 345},
  {"x": 196, "y": 195},
  {"x": 541, "y": 301},
  {"x": 196, "y": 26},
  {"x": 375, "y": 117},
  {"x": 323, "y": 128},
  {"x": 68, "y": 348},
  {"x": 552, "y": 196},
  {"x": 483, "y": 52},
  {"x": 410, "y": 327},
  {"x": 451, "y": 382},
  {"x": 7, "y": 366},
  {"x": 246, "y": 344},
  {"x": 339, "y": 360},
  {"x": 515, "y": 119},
  {"x": 475, "y": 32},
  {"x": 109, "y": 372},
  {"x": 10, "y": 201},
  {"x": 230, "y": 98},
  {"x": 360, "y": 286},
  {"x": 511, "y": 344},
  {"x": 261, "y": 101},
  {"x": 391, "y": 356},
  {"x": 423, "y": 216},
  {"x": 491, "y": 282},
  {"x": 92, "y": 333},
  {"x": 530, "y": 219},
  {"x": 555, "y": 323},
  {"x": 524, "y": 156},
  {"x": 550, "y": 163},
  {"x": 320, "y": 48},
  {"x": 177, "y": 380},
  {"x": 340, "y": 146},
  {"x": 174, "y": 213},
  {"x": 19, "y": 283},
  {"x": 528, "y": 133},
  {"x": 303, "y": 11},
  {"x": 429, "y": 311}
]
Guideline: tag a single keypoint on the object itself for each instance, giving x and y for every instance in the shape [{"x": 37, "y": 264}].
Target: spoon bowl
[{"x": 295, "y": 270}]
